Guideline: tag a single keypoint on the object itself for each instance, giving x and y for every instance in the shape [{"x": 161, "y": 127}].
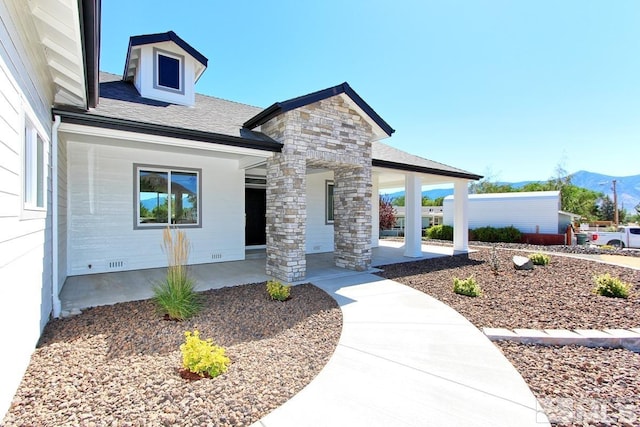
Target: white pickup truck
[{"x": 626, "y": 236}]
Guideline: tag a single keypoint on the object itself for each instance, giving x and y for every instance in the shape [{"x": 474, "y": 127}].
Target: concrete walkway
[{"x": 406, "y": 359}]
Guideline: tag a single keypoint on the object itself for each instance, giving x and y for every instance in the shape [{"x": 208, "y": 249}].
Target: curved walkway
[{"x": 406, "y": 359}]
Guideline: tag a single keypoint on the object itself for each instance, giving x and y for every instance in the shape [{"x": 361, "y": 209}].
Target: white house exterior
[
  {"x": 94, "y": 166},
  {"x": 529, "y": 212}
]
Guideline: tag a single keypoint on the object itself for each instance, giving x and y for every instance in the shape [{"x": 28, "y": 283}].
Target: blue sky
[{"x": 506, "y": 89}]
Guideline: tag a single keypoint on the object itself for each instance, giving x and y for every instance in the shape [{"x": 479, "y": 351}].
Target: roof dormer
[{"x": 164, "y": 67}]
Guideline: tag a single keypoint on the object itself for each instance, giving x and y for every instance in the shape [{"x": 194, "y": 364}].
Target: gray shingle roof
[
  {"x": 121, "y": 100},
  {"x": 389, "y": 157}
]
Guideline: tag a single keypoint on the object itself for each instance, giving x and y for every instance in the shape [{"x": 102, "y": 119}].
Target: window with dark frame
[
  {"x": 329, "y": 203},
  {"x": 167, "y": 196},
  {"x": 168, "y": 71}
]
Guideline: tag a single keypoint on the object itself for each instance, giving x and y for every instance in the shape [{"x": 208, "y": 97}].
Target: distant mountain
[{"x": 627, "y": 187}]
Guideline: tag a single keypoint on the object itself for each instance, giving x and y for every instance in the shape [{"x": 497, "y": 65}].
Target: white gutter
[{"x": 57, "y": 304}]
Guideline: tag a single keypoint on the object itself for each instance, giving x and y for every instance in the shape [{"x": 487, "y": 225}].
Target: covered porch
[{"x": 80, "y": 292}]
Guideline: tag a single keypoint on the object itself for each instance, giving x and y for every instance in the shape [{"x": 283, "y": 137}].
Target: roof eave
[
  {"x": 75, "y": 116},
  {"x": 291, "y": 104},
  {"x": 421, "y": 169}
]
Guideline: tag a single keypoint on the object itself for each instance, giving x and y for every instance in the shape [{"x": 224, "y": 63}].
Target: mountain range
[{"x": 627, "y": 187}]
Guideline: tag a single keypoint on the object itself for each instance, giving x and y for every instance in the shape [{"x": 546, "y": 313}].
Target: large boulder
[{"x": 522, "y": 263}]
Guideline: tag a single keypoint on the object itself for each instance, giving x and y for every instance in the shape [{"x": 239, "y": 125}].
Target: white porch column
[
  {"x": 413, "y": 216},
  {"x": 460, "y": 216},
  {"x": 375, "y": 210}
]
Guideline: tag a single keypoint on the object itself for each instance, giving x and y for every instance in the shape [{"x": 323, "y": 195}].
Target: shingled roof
[
  {"x": 219, "y": 121},
  {"x": 390, "y": 157}
]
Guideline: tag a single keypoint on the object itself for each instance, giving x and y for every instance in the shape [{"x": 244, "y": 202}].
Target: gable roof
[
  {"x": 389, "y": 157},
  {"x": 144, "y": 39},
  {"x": 291, "y": 104}
]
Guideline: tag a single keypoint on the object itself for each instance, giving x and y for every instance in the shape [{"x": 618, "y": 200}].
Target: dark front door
[{"x": 255, "y": 202}]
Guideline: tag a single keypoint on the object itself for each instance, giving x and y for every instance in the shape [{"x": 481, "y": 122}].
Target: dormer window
[{"x": 169, "y": 71}]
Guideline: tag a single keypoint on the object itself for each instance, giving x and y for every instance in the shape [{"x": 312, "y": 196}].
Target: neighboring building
[
  {"x": 529, "y": 212},
  {"x": 88, "y": 184},
  {"x": 430, "y": 215}
]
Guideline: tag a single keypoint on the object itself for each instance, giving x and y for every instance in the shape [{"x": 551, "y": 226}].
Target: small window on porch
[
  {"x": 329, "y": 205},
  {"x": 167, "y": 196}
]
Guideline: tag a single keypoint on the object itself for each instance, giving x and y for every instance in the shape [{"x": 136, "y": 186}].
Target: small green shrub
[
  {"x": 467, "y": 287},
  {"x": 277, "y": 291},
  {"x": 611, "y": 286},
  {"x": 440, "y": 232},
  {"x": 540, "y": 259},
  {"x": 203, "y": 357}
]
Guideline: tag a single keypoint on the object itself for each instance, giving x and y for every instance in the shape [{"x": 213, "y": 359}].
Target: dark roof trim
[
  {"x": 81, "y": 118},
  {"x": 90, "y": 33},
  {"x": 291, "y": 104},
  {"x": 422, "y": 169},
  {"x": 165, "y": 37}
]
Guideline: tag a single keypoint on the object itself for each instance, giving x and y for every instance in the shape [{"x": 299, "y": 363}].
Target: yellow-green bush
[
  {"x": 539, "y": 259},
  {"x": 203, "y": 356},
  {"x": 467, "y": 287},
  {"x": 608, "y": 286},
  {"x": 278, "y": 291}
]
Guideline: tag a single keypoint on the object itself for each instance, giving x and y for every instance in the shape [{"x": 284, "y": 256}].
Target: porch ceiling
[{"x": 390, "y": 178}]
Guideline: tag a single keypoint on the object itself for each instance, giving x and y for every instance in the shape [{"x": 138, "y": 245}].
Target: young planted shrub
[
  {"x": 494, "y": 261},
  {"x": 608, "y": 286},
  {"x": 540, "y": 259},
  {"x": 175, "y": 296},
  {"x": 440, "y": 232},
  {"x": 277, "y": 291},
  {"x": 203, "y": 357},
  {"x": 467, "y": 287}
]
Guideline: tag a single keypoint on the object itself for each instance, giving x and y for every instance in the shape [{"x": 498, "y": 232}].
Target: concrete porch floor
[{"x": 80, "y": 292}]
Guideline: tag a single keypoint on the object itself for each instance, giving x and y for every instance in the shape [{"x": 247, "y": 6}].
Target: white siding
[
  {"x": 529, "y": 212},
  {"x": 25, "y": 263},
  {"x": 144, "y": 77},
  {"x": 319, "y": 234},
  {"x": 101, "y": 204}
]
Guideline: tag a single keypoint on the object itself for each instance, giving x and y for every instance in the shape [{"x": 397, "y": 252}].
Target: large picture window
[
  {"x": 329, "y": 205},
  {"x": 167, "y": 196},
  {"x": 34, "y": 168}
]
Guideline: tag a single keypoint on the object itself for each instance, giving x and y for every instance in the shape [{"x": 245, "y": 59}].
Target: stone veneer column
[
  {"x": 286, "y": 217},
  {"x": 352, "y": 217}
]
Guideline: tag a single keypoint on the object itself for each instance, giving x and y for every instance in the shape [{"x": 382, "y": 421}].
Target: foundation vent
[
  {"x": 216, "y": 256},
  {"x": 116, "y": 264}
]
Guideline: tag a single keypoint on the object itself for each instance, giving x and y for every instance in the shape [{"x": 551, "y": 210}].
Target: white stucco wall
[
  {"x": 529, "y": 212},
  {"x": 101, "y": 203},
  {"x": 25, "y": 252},
  {"x": 319, "y": 234}
]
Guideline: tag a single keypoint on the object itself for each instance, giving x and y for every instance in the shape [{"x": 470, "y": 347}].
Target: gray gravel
[
  {"x": 117, "y": 365},
  {"x": 576, "y": 385}
]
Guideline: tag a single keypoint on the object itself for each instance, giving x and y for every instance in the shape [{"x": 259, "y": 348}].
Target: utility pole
[{"x": 615, "y": 204}]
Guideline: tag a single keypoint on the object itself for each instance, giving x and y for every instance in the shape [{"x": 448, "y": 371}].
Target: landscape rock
[{"x": 522, "y": 263}]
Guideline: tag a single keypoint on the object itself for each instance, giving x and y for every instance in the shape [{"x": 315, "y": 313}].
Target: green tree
[{"x": 398, "y": 201}]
